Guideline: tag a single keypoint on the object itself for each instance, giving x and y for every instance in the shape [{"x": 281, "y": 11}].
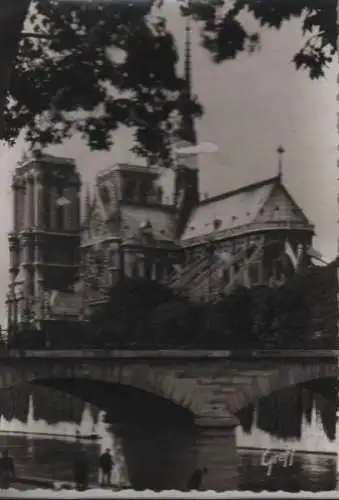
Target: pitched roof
[
  {"x": 236, "y": 208},
  {"x": 161, "y": 221},
  {"x": 132, "y": 217},
  {"x": 232, "y": 208}
]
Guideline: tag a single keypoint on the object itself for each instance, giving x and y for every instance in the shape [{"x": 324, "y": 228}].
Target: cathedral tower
[{"x": 44, "y": 243}]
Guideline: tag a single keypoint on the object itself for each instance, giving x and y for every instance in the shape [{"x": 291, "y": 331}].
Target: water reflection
[
  {"x": 38, "y": 445},
  {"x": 312, "y": 439},
  {"x": 307, "y": 472},
  {"x": 289, "y": 413},
  {"x": 39, "y": 457},
  {"x": 314, "y": 465}
]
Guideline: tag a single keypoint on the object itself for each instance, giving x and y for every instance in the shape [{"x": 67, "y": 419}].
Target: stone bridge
[{"x": 176, "y": 409}]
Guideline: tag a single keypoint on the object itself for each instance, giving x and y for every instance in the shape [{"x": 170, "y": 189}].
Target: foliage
[
  {"x": 114, "y": 63},
  {"x": 124, "y": 319},
  {"x": 229, "y": 321},
  {"x": 171, "y": 322},
  {"x": 224, "y": 36},
  {"x": 29, "y": 338},
  {"x": 290, "y": 316},
  {"x": 104, "y": 66},
  {"x": 143, "y": 314}
]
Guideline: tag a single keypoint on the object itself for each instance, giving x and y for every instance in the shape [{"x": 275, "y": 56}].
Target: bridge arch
[
  {"x": 151, "y": 430},
  {"x": 262, "y": 383},
  {"x": 182, "y": 393},
  {"x": 157, "y": 437}
]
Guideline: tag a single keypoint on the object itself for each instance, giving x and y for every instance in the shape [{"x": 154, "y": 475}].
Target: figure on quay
[
  {"x": 81, "y": 470},
  {"x": 106, "y": 465},
  {"x": 7, "y": 470},
  {"x": 195, "y": 481}
]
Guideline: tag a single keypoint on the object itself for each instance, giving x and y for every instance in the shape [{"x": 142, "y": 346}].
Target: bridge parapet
[{"x": 142, "y": 354}]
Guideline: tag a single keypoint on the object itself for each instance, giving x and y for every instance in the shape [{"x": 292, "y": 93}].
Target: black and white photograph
[{"x": 169, "y": 268}]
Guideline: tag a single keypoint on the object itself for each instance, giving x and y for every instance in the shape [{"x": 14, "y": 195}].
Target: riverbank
[
  {"x": 86, "y": 437},
  {"x": 50, "y": 484}
]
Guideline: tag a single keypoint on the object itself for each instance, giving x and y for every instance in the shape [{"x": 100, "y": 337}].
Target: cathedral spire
[
  {"x": 280, "y": 151},
  {"x": 87, "y": 202},
  {"x": 187, "y": 129}
]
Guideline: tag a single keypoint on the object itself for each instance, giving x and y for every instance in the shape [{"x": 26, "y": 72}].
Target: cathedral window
[
  {"x": 115, "y": 259},
  {"x": 148, "y": 266},
  {"x": 60, "y": 226},
  {"x": 47, "y": 208},
  {"x": 105, "y": 195},
  {"x": 254, "y": 273},
  {"x": 160, "y": 193},
  {"x": 135, "y": 270},
  {"x": 31, "y": 283},
  {"x": 217, "y": 224},
  {"x": 30, "y": 253},
  {"x": 129, "y": 189},
  {"x": 145, "y": 190}
]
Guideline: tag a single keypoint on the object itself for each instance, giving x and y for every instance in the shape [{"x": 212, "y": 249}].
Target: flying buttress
[{"x": 210, "y": 276}]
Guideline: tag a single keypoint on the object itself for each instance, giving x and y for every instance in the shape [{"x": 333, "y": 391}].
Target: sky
[{"x": 252, "y": 105}]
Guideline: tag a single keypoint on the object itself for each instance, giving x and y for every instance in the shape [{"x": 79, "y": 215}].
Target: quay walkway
[{"x": 51, "y": 484}]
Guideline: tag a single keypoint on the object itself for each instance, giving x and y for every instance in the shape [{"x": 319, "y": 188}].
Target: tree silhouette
[
  {"x": 124, "y": 320},
  {"x": 92, "y": 67}
]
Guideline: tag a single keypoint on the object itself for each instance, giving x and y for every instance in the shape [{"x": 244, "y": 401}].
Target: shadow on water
[
  {"x": 52, "y": 458},
  {"x": 283, "y": 413},
  {"x": 297, "y": 418}
]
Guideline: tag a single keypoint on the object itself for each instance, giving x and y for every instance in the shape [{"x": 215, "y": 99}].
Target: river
[
  {"x": 314, "y": 464},
  {"x": 313, "y": 467}
]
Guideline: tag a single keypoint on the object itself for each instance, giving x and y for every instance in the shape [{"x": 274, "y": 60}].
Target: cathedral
[
  {"x": 66, "y": 255},
  {"x": 63, "y": 262}
]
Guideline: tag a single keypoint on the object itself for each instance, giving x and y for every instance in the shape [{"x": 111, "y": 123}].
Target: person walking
[
  {"x": 7, "y": 470},
  {"x": 80, "y": 471},
  {"x": 106, "y": 466},
  {"x": 194, "y": 482}
]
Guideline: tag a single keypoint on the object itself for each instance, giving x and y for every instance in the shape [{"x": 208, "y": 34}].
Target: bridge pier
[
  {"x": 216, "y": 446},
  {"x": 164, "y": 456},
  {"x": 158, "y": 456}
]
